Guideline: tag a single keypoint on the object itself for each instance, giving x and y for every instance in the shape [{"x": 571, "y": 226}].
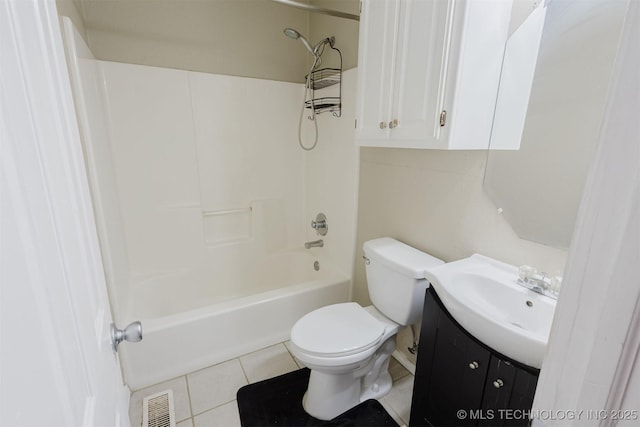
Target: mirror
[{"x": 551, "y": 100}]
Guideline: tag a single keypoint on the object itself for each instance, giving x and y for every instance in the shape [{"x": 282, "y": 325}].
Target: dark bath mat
[{"x": 278, "y": 402}]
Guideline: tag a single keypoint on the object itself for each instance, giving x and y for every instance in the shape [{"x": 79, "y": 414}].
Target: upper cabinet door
[
  {"x": 420, "y": 70},
  {"x": 429, "y": 72},
  {"x": 377, "y": 52}
]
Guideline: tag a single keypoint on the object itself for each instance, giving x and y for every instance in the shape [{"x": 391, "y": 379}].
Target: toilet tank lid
[{"x": 399, "y": 257}]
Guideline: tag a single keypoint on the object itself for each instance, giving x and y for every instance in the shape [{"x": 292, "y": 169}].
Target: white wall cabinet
[{"x": 428, "y": 72}]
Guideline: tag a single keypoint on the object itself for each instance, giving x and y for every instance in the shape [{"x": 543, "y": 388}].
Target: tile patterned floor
[{"x": 206, "y": 398}]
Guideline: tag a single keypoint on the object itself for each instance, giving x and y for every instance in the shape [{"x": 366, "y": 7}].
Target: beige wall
[
  {"x": 73, "y": 9},
  {"x": 233, "y": 37},
  {"x": 433, "y": 200},
  {"x": 344, "y": 30}
]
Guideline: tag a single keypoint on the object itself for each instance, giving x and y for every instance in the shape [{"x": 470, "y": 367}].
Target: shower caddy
[{"x": 322, "y": 78}]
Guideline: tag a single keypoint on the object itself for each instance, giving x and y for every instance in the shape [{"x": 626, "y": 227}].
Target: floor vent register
[{"x": 158, "y": 411}]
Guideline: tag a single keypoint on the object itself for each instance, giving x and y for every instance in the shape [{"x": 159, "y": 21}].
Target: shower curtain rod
[{"x": 316, "y": 9}]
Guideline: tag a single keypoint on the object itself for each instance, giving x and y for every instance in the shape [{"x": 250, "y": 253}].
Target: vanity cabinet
[
  {"x": 428, "y": 72},
  {"x": 455, "y": 372}
]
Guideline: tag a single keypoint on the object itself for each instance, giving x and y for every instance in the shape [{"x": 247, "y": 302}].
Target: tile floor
[{"x": 206, "y": 398}]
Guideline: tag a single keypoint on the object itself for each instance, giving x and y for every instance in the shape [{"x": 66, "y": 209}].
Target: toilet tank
[{"x": 395, "y": 277}]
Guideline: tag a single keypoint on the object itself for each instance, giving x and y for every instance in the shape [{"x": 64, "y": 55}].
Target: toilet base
[{"x": 329, "y": 395}]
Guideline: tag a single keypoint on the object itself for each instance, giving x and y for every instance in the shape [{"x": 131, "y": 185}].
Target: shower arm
[{"x": 317, "y": 9}]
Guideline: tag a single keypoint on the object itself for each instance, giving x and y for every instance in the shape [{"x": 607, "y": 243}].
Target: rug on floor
[{"x": 278, "y": 402}]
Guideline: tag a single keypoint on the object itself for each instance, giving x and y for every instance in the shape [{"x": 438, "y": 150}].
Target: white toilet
[{"x": 347, "y": 347}]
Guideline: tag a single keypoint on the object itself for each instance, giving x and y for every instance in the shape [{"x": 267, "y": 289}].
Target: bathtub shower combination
[{"x": 201, "y": 221}]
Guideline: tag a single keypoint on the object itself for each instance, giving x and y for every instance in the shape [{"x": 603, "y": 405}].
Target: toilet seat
[{"x": 337, "y": 330}]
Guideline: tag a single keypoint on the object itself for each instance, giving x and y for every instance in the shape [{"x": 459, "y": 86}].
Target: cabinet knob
[
  {"x": 473, "y": 365},
  {"x": 498, "y": 383},
  {"x": 383, "y": 125},
  {"x": 393, "y": 123}
]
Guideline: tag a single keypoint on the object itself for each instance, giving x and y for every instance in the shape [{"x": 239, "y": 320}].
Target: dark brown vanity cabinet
[{"x": 461, "y": 382}]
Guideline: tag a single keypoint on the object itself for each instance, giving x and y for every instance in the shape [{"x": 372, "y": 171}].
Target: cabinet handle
[
  {"x": 383, "y": 125},
  {"x": 498, "y": 383},
  {"x": 473, "y": 365},
  {"x": 393, "y": 123}
]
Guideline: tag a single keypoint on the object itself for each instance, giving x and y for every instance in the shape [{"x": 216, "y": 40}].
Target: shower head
[{"x": 293, "y": 34}]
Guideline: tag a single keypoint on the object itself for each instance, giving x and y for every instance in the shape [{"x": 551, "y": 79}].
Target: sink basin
[{"x": 483, "y": 295}]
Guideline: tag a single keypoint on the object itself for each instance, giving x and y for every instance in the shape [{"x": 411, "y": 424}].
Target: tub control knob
[
  {"x": 132, "y": 333},
  {"x": 320, "y": 224}
]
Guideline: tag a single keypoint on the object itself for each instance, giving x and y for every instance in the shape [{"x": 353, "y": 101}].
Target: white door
[{"x": 57, "y": 367}]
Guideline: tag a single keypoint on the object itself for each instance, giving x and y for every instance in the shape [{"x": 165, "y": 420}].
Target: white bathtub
[{"x": 197, "y": 329}]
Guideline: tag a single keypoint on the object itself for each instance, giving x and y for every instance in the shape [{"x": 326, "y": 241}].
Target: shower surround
[{"x": 203, "y": 201}]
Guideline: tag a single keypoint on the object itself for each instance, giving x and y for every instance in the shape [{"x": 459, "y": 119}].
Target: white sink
[{"x": 483, "y": 295}]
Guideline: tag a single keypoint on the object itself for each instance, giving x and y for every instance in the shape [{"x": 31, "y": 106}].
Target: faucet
[
  {"x": 539, "y": 282},
  {"x": 314, "y": 244},
  {"x": 538, "y": 285}
]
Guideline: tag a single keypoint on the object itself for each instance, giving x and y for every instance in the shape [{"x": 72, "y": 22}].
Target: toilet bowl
[
  {"x": 347, "y": 346},
  {"x": 341, "y": 344}
]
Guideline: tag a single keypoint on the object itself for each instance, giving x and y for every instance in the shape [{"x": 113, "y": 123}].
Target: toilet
[{"x": 347, "y": 346}]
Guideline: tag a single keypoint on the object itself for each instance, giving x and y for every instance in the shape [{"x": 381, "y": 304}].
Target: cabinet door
[
  {"x": 450, "y": 372},
  {"x": 521, "y": 400},
  {"x": 497, "y": 392},
  {"x": 376, "y": 57},
  {"x": 420, "y": 70}
]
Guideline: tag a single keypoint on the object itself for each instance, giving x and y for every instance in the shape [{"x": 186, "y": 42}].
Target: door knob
[{"x": 132, "y": 333}]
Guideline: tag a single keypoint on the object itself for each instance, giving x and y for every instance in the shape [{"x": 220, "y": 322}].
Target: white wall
[
  {"x": 87, "y": 84},
  {"x": 245, "y": 136},
  {"x": 155, "y": 165},
  {"x": 206, "y": 166},
  {"x": 331, "y": 176}
]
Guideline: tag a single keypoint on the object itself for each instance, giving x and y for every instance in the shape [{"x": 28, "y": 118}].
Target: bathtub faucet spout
[{"x": 314, "y": 244}]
